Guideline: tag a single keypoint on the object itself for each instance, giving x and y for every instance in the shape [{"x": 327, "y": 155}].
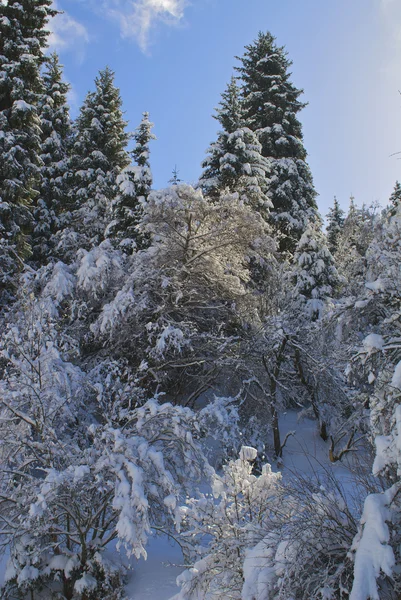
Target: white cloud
[
  {"x": 137, "y": 17},
  {"x": 66, "y": 33}
]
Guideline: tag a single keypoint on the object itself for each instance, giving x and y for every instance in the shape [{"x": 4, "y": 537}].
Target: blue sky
[{"x": 173, "y": 58}]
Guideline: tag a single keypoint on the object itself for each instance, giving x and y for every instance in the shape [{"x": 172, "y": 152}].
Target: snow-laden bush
[
  {"x": 99, "y": 270},
  {"x": 81, "y": 463},
  {"x": 219, "y": 527},
  {"x": 307, "y": 547},
  {"x": 186, "y": 299},
  {"x": 262, "y": 538}
]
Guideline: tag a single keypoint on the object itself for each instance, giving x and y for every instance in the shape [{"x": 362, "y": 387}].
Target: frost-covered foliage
[
  {"x": 134, "y": 185},
  {"x": 357, "y": 233},
  {"x": 99, "y": 272},
  {"x": 374, "y": 557},
  {"x": 303, "y": 552},
  {"x": 126, "y": 211},
  {"x": 375, "y": 369},
  {"x": 118, "y": 486},
  {"x": 316, "y": 277},
  {"x": 235, "y": 162},
  {"x": 81, "y": 465},
  {"x": 261, "y": 538},
  {"x": 225, "y": 523},
  {"x": 186, "y": 298}
]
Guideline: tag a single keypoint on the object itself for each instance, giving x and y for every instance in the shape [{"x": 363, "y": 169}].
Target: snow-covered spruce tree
[
  {"x": 395, "y": 198},
  {"x": 356, "y": 235},
  {"x": 187, "y": 295},
  {"x": 51, "y": 207},
  {"x": 315, "y": 276},
  {"x": 22, "y": 42},
  {"x": 270, "y": 107},
  {"x": 99, "y": 155},
  {"x": 335, "y": 223},
  {"x": 80, "y": 464},
  {"x": 376, "y": 368},
  {"x": 142, "y": 136},
  {"x": 234, "y": 162},
  {"x": 134, "y": 184}
]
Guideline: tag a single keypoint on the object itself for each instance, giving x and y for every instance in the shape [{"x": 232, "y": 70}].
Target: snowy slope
[{"x": 154, "y": 579}]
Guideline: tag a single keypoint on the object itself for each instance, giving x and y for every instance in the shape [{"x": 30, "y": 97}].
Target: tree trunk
[{"x": 273, "y": 377}]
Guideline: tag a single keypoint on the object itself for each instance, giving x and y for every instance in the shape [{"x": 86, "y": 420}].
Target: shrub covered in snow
[
  {"x": 262, "y": 538},
  {"x": 80, "y": 465}
]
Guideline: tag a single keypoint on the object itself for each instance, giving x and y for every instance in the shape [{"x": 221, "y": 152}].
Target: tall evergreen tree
[
  {"x": 271, "y": 104},
  {"x": 23, "y": 39},
  {"x": 134, "y": 185},
  {"x": 335, "y": 220},
  {"x": 234, "y": 162},
  {"x": 229, "y": 115},
  {"x": 395, "y": 198},
  {"x": 56, "y": 136},
  {"x": 142, "y": 136},
  {"x": 99, "y": 155}
]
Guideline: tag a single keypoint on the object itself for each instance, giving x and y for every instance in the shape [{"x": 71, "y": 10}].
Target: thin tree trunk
[{"x": 273, "y": 377}]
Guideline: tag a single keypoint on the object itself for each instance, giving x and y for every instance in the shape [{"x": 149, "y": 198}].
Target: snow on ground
[
  {"x": 306, "y": 454},
  {"x": 305, "y": 450},
  {"x": 154, "y": 578}
]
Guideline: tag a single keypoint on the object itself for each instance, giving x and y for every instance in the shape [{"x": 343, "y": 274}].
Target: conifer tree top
[
  {"x": 270, "y": 99},
  {"x": 395, "y": 198},
  {"x": 142, "y": 136},
  {"x": 53, "y": 107},
  {"x": 100, "y": 124},
  {"x": 335, "y": 223},
  {"x": 230, "y": 110}
]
